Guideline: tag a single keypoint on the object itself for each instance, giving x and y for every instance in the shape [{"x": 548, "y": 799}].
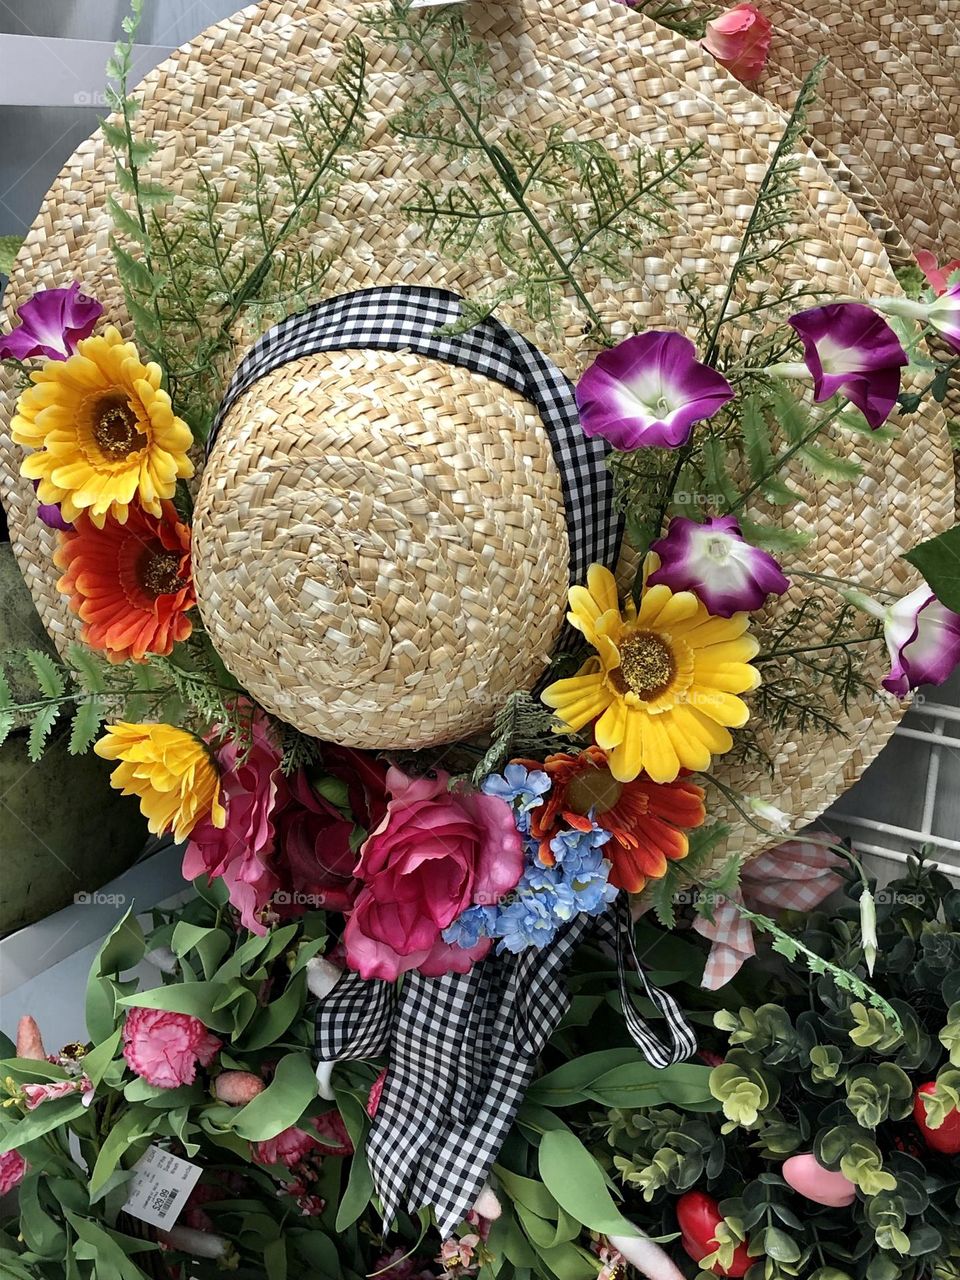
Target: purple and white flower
[
  {"x": 649, "y": 391},
  {"x": 922, "y": 637},
  {"x": 50, "y": 513},
  {"x": 850, "y": 349},
  {"x": 942, "y": 314},
  {"x": 716, "y": 563},
  {"x": 51, "y": 324}
]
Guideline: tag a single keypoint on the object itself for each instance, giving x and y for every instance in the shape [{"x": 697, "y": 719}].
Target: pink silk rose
[
  {"x": 436, "y": 853},
  {"x": 739, "y": 39},
  {"x": 164, "y": 1048},
  {"x": 290, "y": 1147},
  {"x": 243, "y": 852}
]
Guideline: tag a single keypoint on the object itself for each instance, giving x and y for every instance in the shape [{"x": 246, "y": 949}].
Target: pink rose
[
  {"x": 435, "y": 853},
  {"x": 317, "y": 858},
  {"x": 289, "y": 1147},
  {"x": 739, "y": 39},
  {"x": 34, "y": 1094},
  {"x": 12, "y": 1169},
  {"x": 243, "y": 852},
  {"x": 164, "y": 1048}
]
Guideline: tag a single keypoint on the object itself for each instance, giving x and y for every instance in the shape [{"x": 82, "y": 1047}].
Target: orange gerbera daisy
[
  {"x": 647, "y": 820},
  {"x": 129, "y": 583}
]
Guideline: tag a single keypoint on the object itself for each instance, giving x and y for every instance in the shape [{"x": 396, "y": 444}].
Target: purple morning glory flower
[
  {"x": 849, "y": 348},
  {"x": 52, "y": 322},
  {"x": 716, "y": 563},
  {"x": 944, "y": 315},
  {"x": 923, "y": 638},
  {"x": 649, "y": 391}
]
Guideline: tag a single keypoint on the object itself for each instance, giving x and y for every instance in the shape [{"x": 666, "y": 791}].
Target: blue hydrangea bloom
[
  {"x": 526, "y": 922},
  {"x": 572, "y": 848},
  {"x": 470, "y": 926},
  {"x": 523, "y": 789}
]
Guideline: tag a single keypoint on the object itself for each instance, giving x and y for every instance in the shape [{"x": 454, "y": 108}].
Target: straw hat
[
  {"x": 596, "y": 71},
  {"x": 889, "y": 103}
]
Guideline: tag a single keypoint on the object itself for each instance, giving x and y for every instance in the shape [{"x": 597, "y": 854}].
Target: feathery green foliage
[
  {"x": 554, "y": 212},
  {"x": 522, "y": 724},
  {"x": 191, "y": 272},
  {"x": 688, "y": 871}
]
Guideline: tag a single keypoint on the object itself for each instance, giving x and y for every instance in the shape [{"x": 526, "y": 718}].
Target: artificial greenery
[
  {"x": 504, "y": 202},
  {"x": 801, "y": 1068},
  {"x": 190, "y": 282}
]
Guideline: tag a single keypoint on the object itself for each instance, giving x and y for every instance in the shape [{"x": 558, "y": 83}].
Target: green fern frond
[
  {"x": 89, "y": 716},
  {"x": 40, "y": 730},
  {"x": 685, "y": 872},
  {"x": 49, "y": 675}
]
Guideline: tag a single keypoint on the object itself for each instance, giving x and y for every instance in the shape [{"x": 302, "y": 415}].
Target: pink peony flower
[
  {"x": 435, "y": 853},
  {"x": 333, "y": 1131},
  {"x": 164, "y": 1048},
  {"x": 237, "y": 1088},
  {"x": 29, "y": 1040},
  {"x": 739, "y": 39},
  {"x": 289, "y": 1147},
  {"x": 12, "y": 1170},
  {"x": 34, "y": 1094},
  {"x": 51, "y": 324},
  {"x": 242, "y": 852},
  {"x": 375, "y": 1094}
]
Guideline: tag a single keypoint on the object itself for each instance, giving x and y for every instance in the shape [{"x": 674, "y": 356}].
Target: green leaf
[
  {"x": 126, "y": 223},
  {"x": 48, "y": 673},
  {"x": 98, "y": 1059},
  {"x": 133, "y": 273},
  {"x": 271, "y": 1022},
  {"x": 639, "y": 1084},
  {"x": 938, "y": 559},
  {"x": 575, "y": 1180},
  {"x": 123, "y": 949},
  {"x": 282, "y": 1103},
  {"x": 275, "y": 1260},
  {"x": 98, "y": 1245},
  {"x": 52, "y": 1115},
  {"x": 9, "y": 248},
  {"x": 134, "y": 1125},
  {"x": 40, "y": 728},
  {"x": 528, "y": 1192},
  {"x": 209, "y": 1001},
  {"x": 90, "y": 715},
  {"x": 566, "y": 1085},
  {"x": 88, "y": 667},
  {"x": 40, "y": 1232}
]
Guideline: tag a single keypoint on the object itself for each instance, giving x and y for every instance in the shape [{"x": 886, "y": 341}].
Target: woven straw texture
[
  {"x": 889, "y": 104},
  {"x": 600, "y": 72}
]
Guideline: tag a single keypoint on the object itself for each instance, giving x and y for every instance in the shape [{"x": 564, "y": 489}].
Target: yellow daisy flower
[
  {"x": 103, "y": 430},
  {"x": 664, "y": 681},
  {"x": 170, "y": 770}
]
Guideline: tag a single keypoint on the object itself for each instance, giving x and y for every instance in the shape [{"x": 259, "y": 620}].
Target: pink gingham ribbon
[{"x": 796, "y": 876}]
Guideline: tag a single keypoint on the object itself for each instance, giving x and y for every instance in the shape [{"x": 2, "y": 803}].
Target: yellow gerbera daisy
[
  {"x": 103, "y": 430},
  {"x": 664, "y": 681},
  {"x": 170, "y": 770}
]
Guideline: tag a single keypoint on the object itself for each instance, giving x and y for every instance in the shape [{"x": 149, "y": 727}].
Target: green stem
[
  {"x": 735, "y": 798},
  {"x": 835, "y": 582},
  {"x": 813, "y": 648},
  {"x": 783, "y": 458},
  {"x": 508, "y": 178}
]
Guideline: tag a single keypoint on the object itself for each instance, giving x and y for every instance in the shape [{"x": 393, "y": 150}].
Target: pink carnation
[
  {"x": 332, "y": 1130},
  {"x": 164, "y": 1048},
  {"x": 12, "y": 1169},
  {"x": 243, "y": 852},
  {"x": 739, "y": 39},
  {"x": 435, "y": 853}
]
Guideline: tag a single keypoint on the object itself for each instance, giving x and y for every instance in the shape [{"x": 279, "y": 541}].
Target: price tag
[{"x": 161, "y": 1184}]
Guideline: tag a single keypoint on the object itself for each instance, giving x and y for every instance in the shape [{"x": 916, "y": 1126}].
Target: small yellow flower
[
  {"x": 663, "y": 685},
  {"x": 104, "y": 432},
  {"x": 170, "y": 770}
]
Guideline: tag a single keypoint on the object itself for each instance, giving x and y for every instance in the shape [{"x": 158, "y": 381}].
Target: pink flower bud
[
  {"x": 237, "y": 1087},
  {"x": 29, "y": 1041}
]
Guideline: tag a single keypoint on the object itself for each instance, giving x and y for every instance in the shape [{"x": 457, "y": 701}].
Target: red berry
[
  {"x": 946, "y": 1139},
  {"x": 698, "y": 1218}
]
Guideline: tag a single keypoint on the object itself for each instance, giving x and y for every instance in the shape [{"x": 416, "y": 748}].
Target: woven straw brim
[
  {"x": 597, "y": 71},
  {"x": 889, "y": 103}
]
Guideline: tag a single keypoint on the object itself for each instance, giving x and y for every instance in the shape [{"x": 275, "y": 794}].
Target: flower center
[
  {"x": 717, "y": 548},
  {"x": 593, "y": 789},
  {"x": 159, "y": 573},
  {"x": 115, "y": 428},
  {"x": 646, "y": 665}
]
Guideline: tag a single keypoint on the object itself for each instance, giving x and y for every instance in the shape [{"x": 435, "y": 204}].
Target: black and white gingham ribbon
[
  {"x": 463, "y": 1048},
  {"x": 400, "y": 318},
  {"x": 462, "y": 1052}
]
